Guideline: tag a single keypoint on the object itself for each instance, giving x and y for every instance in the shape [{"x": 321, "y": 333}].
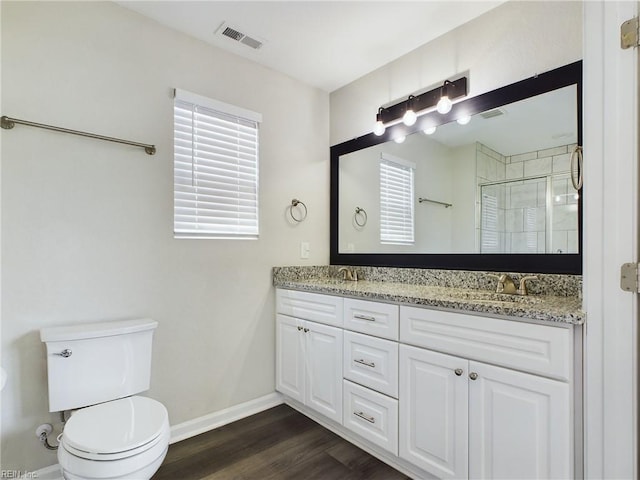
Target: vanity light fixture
[
  {"x": 409, "y": 118},
  {"x": 444, "y": 104},
  {"x": 408, "y": 111}
]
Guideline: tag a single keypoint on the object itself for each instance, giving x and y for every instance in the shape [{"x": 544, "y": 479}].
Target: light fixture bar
[{"x": 455, "y": 89}]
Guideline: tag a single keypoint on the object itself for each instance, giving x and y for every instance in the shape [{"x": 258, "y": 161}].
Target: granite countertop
[{"x": 548, "y": 308}]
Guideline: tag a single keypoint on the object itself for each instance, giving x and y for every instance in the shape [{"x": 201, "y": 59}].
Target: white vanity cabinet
[
  {"x": 465, "y": 418},
  {"x": 434, "y": 393},
  {"x": 309, "y": 353}
]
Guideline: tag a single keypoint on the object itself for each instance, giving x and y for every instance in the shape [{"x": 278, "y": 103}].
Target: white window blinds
[
  {"x": 489, "y": 233},
  {"x": 215, "y": 175},
  {"x": 396, "y": 200}
]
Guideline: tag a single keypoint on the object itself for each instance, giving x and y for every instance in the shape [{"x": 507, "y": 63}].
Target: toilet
[{"x": 96, "y": 371}]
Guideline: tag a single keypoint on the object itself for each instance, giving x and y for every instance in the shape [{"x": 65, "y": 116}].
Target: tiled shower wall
[{"x": 513, "y": 213}]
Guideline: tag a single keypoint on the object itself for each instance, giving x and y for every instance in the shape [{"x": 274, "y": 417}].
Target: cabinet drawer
[
  {"x": 310, "y": 306},
  {"x": 373, "y": 318},
  {"x": 534, "y": 348},
  {"x": 372, "y": 362},
  {"x": 371, "y": 415}
]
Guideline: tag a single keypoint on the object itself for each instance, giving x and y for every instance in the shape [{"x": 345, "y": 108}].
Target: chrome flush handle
[{"x": 66, "y": 353}]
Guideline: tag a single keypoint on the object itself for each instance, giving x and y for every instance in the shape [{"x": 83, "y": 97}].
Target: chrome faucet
[
  {"x": 348, "y": 274},
  {"x": 508, "y": 286},
  {"x": 505, "y": 284},
  {"x": 523, "y": 284}
]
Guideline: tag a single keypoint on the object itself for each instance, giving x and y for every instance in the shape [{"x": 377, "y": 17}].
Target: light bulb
[
  {"x": 400, "y": 139},
  {"x": 444, "y": 105},
  {"x": 464, "y": 120},
  {"x": 576, "y": 196},
  {"x": 429, "y": 131},
  {"x": 379, "y": 128},
  {"x": 409, "y": 118}
]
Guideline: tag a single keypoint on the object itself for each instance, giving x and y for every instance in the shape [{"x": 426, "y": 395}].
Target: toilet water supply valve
[{"x": 42, "y": 432}]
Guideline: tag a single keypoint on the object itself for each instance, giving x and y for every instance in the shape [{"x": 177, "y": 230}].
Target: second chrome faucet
[
  {"x": 508, "y": 286},
  {"x": 348, "y": 274}
]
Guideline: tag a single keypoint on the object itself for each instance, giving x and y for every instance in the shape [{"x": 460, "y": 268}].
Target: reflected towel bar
[
  {"x": 446, "y": 205},
  {"x": 8, "y": 123}
]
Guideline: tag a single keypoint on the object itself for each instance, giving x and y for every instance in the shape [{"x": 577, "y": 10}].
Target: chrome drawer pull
[
  {"x": 365, "y": 317},
  {"x": 362, "y": 361},
  {"x": 365, "y": 417}
]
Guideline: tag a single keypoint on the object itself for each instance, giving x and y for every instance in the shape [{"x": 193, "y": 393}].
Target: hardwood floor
[{"x": 279, "y": 443}]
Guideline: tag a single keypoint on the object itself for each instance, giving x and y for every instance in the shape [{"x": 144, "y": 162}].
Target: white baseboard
[
  {"x": 190, "y": 428},
  {"x": 217, "y": 419}
]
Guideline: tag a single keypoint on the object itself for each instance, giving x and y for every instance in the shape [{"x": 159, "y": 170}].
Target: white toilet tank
[{"x": 96, "y": 362}]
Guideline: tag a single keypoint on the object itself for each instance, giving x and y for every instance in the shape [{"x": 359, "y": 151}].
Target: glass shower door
[{"x": 534, "y": 215}]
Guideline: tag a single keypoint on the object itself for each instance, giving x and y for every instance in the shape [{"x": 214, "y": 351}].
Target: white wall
[
  {"x": 509, "y": 43},
  {"x": 87, "y": 225},
  {"x": 463, "y": 188}
]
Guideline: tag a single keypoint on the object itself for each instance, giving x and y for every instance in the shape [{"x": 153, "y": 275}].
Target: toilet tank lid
[{"x": 96, "y": 329}]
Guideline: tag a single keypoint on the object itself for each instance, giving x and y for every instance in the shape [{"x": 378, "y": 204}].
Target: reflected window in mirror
[{"x": 396, "y": 200}]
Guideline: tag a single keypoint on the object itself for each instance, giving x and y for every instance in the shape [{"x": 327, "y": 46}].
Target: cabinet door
[
  {"x": 434, "y": 411},
  {"x": 290, "y": 357},
  {"x": 519, "y": 425},
  {"x": 324, "y": 370}
]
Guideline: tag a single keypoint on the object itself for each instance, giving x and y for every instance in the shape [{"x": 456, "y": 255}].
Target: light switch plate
[{"x": 304, "y": 249}]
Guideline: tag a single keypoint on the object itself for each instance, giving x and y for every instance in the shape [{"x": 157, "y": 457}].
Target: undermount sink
[{"x": 479, "y": 295}]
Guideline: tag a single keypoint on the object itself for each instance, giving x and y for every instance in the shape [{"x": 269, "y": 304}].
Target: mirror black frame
[{"x": 535, "y": 263}]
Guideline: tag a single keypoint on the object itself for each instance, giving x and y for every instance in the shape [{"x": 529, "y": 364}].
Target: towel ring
[
  {"x": 294, "y": 203},
  {"x": 360, "y": 213},
  {"x": 576, "y": 155}
]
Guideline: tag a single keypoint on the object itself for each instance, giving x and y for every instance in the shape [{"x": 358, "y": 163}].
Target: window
[
  {"x": 215, "y": 169},
  {"x": 396, "y": 200}
]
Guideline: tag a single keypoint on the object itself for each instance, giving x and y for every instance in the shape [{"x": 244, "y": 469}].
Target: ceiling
[{"x": 327, "y": 44}]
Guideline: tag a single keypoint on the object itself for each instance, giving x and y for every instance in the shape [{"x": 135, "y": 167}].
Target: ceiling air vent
[
  {"x": 496, "y": 112},
  {"x": 236, "y": 34}
]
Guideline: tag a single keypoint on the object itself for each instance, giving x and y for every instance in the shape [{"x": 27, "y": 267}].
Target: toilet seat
[{"x": 115, "y": 430}]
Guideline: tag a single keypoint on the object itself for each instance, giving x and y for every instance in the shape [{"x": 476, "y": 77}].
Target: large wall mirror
[{"x": 490, "y": 193}]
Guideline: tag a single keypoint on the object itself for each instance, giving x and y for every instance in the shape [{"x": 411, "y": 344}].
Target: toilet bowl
[{"x": 121, "y": 439}]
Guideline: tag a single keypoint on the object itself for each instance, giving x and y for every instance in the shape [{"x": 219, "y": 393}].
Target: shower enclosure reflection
[{"x": 533, "y": 215}]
